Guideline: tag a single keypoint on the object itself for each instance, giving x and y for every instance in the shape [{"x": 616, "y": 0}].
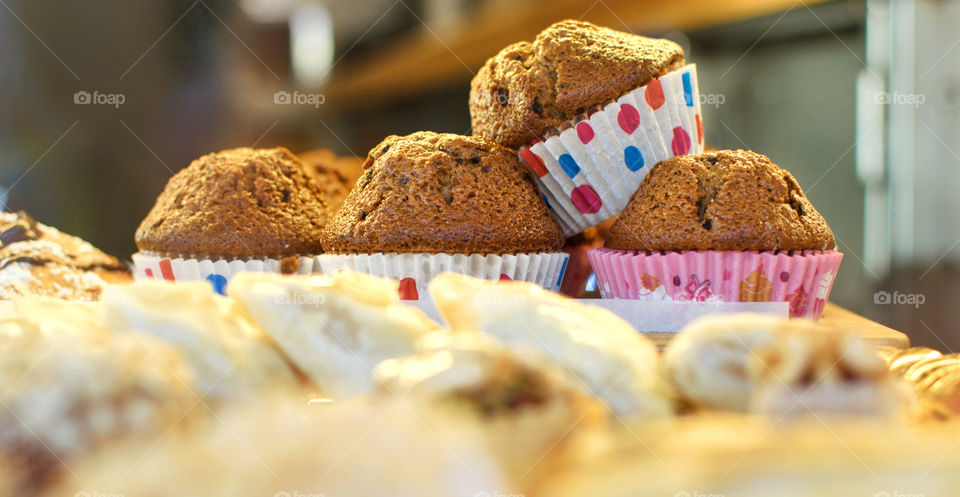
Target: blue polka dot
[
  {"x": 219, "y": 283},
  {"x": 569, "y": 165},
  {"x": 687, "y": 89},
  {"x": 633, "y": 158}
]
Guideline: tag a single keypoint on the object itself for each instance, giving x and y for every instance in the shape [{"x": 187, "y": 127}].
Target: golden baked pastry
[
  {"x": 229, "y": 355},
  {"x": 70, "y": 384},
  {"x": 337, "y": 328},
  {"x": 614, "y": 361},
  {"x": 36, "y": 259}
]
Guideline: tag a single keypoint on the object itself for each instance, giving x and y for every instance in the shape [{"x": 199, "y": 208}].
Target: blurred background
[{"x": 102, "y": 101}]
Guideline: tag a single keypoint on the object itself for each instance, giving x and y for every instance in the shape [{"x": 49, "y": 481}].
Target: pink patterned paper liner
[
  {"x": 802, "y": 279},
  {"x": 589, "y": 167},
  {"x": 216, "y": 271}
]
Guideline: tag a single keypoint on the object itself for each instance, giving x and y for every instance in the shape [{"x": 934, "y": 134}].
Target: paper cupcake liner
[
  {"x": 589, "y": 168},
  {"x": 217, "y": 272},
  {"x": 414, "y": 271},
  {"x": 802, "y": 279}
]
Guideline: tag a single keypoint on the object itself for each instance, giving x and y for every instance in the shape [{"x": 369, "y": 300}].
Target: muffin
[
  {"x": 36, "y": 259},
  {"x": 433, "y": 202},
  {"x": 335, "y": 175},
  {"x": 725, "y": 226},
  {"x": 232, "y": 211},
  {"x": 589, "y": 107}
]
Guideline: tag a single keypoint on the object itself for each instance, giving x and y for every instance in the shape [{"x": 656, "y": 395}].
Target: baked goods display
[
  {"x": 237, "y": 210},
  {"x": 432, "y": 202},
  {"x": 723, "y": 226},
  {"x": 36, "y": 259},
  {"x": 331, "y": 326}
]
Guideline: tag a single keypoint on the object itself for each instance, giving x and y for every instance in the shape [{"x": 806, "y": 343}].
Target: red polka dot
[
  {"x": 628, "y": 118},
  {"x": 167, "y": 270},
  {"x": 504, "y": 277},
  {"x": 149, "y": 273},
  {"x": 681, "y": 141},
  {"x": 408, "y": 289},
  {"x": 534, "y": 161},
  {"x": 699, "y": 129},
  {"x": 585, "y": 199},
  {"x": 726, "y": 275},
  {"x": 654, "y": 94},
  {"x": 585, "y": 132}
]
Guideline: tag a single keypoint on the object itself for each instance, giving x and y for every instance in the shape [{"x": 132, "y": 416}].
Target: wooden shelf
[{"x": 426, "y": 59}]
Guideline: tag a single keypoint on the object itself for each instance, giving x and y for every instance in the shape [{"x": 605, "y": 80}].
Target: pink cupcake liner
[
  {"x": 803, "y": 279},
  {"x": 589, "y": 167}
]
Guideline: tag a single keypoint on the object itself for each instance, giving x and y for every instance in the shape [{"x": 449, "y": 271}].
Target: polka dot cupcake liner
[
  {"x": 414, "y": 271},
  {"x": 216, "y": 271},
  {"x": 589, "y": 168},
  {"x": 802, "y": 279}
]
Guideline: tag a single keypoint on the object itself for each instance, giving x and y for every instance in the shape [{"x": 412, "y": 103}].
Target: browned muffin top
[
  {"x": 725, "y": 200},
  {"x": 237, "y": 203},
  {"x": 438, "y": 192},
  {"x": 529, "y": 88},
  {"x": 335, "y": 175}
]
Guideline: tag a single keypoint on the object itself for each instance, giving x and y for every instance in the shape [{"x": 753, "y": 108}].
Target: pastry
[
  {"x": 229, "y": 355},
  {"x": 36, "y": 259},
  {"x": 336, "y": 328},
  {"x": 612, "y": 360}
]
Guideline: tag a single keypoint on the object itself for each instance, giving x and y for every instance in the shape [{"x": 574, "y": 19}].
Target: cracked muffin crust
[
  {"x": 530, "y": 88},
  {"x": 439, "y": 192},
  {"x": 237, "y": 203},
  {"x": 725, "y": 200}
]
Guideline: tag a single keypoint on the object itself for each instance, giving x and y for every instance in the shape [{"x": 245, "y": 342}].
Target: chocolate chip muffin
[
  {"x": 530, "y": 88},
  {"x": 237, "y": 204},
  {"x": 36, "y": 259},
  {"x": 336, "y": 175},
  {"x": 437, "y": 192},
  {"x": 725, "y": 200}
]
